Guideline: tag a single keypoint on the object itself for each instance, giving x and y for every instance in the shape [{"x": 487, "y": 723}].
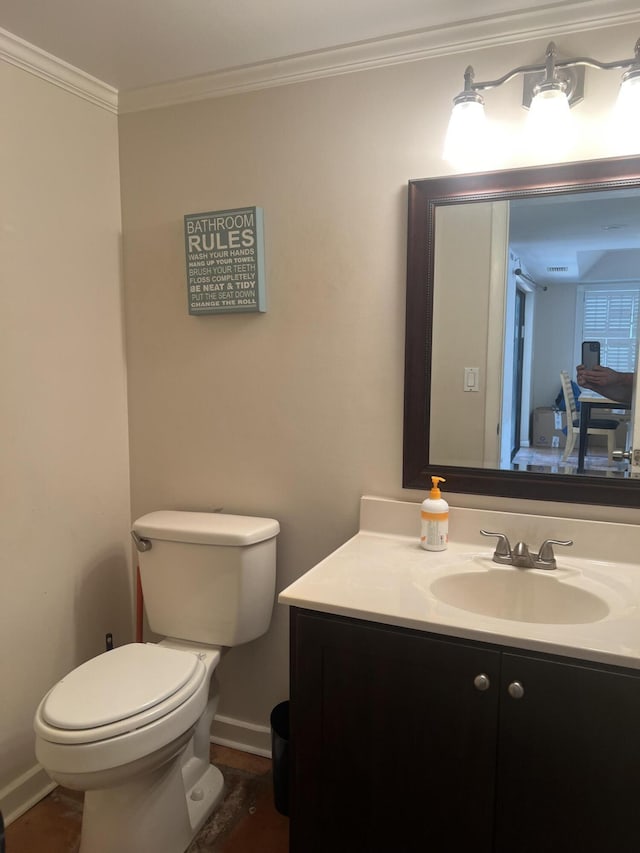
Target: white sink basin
[
  {"x": 588, "y": 608},
  {"x": 522, "y": 595}
]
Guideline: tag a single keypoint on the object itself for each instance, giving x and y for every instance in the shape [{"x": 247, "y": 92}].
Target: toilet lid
[{"x": 119, "y": 684}]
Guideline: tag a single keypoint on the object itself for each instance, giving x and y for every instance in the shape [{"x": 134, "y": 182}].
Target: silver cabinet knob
[
  {"x": 481, "y": 682},
  {"x": 515, "y": 690}
]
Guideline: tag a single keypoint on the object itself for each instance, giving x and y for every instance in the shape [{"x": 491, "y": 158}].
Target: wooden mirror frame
[{"x": 424, "y": 198}]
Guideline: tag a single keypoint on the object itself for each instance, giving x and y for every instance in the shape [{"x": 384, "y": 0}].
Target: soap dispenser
[{"x": 434, "y": 528}]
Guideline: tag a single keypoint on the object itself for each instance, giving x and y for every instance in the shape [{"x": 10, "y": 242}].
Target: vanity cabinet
[{"x": 407, "y": 741}]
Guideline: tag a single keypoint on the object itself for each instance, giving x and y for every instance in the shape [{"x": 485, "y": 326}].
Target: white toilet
[{"x": 131, "y": 726}]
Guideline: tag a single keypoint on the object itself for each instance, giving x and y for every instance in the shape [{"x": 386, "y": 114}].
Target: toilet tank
[{"x": 207, "y": 577}]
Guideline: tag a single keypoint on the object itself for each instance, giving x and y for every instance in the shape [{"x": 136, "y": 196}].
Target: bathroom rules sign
[{"x": 225, "y": 261}]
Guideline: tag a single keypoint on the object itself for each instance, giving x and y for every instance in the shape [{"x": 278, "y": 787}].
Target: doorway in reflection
[{"x": 517, "y": 370}]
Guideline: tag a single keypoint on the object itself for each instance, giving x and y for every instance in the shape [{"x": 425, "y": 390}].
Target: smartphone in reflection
[{"x": 590, "y": 353}]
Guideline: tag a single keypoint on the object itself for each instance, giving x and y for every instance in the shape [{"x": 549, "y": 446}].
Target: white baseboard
[
  {"x": 25, "y": 791},
  {"x": 239, "y": 734}
]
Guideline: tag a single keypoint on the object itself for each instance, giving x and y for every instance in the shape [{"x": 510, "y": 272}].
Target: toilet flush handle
[{"x": 141, "y": 544}]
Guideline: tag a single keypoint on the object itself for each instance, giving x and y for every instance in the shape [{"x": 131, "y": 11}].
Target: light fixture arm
[
  {"x": 469, "y": 93},
  {"x": 551, "y": 65}
]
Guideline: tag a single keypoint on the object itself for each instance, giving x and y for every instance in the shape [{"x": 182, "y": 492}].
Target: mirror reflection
[{"x": 524, "y": 291}]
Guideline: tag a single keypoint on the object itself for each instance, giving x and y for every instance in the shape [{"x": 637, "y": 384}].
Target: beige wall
[
  {"x": 295, "y": 413},
  {"x": 460, "y": 333},
  {"x": 64, "y": 450},
  {"x": 554, "y": 341}
]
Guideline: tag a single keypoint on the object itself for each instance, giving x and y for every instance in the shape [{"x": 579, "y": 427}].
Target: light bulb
[
  {"x": 549, "y": 129},
  {"x": 625, "y": 126},
  {"x": 466, "y": 139}
]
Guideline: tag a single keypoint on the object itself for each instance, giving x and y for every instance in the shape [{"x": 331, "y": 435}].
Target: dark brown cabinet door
[
  {"x": 393, "y": 745},
  {"x": 568, "y": 776}
]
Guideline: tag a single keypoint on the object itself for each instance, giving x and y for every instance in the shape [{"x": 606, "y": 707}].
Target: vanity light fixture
[{"x": 550, "y": 89}]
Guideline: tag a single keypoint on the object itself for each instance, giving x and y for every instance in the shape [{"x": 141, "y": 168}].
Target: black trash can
[{"x": 280, "y": 756}]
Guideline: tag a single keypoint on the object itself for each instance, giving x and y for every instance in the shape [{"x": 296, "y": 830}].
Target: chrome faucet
[{"x": 521, "y": 557}]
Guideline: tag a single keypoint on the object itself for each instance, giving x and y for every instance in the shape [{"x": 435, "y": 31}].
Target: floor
[
  {"x": 246, "y": 822},
  {"x": 549, "y": 460}
]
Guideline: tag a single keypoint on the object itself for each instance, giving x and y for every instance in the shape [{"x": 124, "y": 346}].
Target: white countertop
[{"x": 386, "y": 577}]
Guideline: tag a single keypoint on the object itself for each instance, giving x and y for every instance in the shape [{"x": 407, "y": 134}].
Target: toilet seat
[
  {"x": 118, "y": 692},
  {"x": 69, "y": 754}
]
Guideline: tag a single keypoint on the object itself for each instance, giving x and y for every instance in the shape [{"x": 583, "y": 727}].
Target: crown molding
[
  {"x": 480, "y": 33},
  {"x": 471, "y": 35},
  {"x": 31, "y": 59}
]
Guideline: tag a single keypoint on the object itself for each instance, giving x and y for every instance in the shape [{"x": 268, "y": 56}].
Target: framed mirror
[{"x": 503, "y": 271}]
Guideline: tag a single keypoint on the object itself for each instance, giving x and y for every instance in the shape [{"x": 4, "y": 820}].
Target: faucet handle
[
  {"x": 503, "y": 548},
  {"x": 546, "y": 555}
]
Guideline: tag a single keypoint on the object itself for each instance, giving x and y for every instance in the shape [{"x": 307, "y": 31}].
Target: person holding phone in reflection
[{"x": 606, "y": 381}]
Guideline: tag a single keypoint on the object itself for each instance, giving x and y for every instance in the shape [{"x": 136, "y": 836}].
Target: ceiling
[
  {"x": 584, "y": 238},
  {"x": 130, "y": 44}
]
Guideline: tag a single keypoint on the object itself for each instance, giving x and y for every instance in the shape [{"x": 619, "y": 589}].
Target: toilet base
[{"x": 155, "y": 813}]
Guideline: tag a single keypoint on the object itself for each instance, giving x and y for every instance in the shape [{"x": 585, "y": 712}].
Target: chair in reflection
[{"x": 597, "y": 426}]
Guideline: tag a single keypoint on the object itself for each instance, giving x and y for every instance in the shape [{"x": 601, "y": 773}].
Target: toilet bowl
[
  {"x": 131, "y": 727},
  {"x": 123, "y": 727}
]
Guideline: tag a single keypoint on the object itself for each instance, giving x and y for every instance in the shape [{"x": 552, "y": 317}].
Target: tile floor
[
  {"x": 549, "y": 460},
  {"x": 246, "y": 822}
]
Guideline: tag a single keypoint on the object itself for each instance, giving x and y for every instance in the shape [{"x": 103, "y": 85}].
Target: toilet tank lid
[{"x": 205, "y": 528}]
